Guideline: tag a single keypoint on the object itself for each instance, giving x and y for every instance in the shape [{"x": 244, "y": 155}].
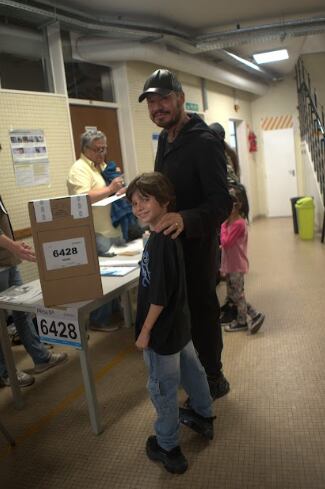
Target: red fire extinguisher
[{"x": 252, "y": 142}]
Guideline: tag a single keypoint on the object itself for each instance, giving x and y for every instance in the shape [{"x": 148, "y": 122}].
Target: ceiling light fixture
[
  {"x": 271, "y": 56},
  {"x": 244, "y": 61}
]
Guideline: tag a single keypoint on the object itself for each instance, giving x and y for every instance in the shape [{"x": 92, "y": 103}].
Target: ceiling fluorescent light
[
  {"x": 271, "y": 56},
  {"x": 244, "y": 61}
]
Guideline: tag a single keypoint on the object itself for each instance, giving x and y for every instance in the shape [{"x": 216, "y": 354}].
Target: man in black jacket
[{"x": 192, "y": 157}]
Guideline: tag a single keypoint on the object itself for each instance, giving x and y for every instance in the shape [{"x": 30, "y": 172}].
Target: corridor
[{"x": 270, "y": 428}]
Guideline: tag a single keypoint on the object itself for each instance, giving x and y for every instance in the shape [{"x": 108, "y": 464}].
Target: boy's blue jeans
[
  {"x": 23, "y": 323},
  {"x": 166, "y": 374}
]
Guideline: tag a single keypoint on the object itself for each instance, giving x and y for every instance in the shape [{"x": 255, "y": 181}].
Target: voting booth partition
[{"x": 65, "y": 247}]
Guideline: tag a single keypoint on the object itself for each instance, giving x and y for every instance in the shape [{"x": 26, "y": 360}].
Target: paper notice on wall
[
  {"x": 154, "y": 139},
  {"x": 65, "y": 253},
  {"x": 30, "y": 157}
]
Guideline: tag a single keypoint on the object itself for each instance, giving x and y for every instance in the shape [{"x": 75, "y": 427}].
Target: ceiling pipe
[
  {"x": 219, "y": 40},
  {"x": 206, "y": 41},
  {"x": 21, "y": 41},
  {"x": 105, "y": 51},
  {"x": 90, "y": 23}
]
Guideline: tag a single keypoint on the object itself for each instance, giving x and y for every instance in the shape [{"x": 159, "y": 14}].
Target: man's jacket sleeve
[{"x": 212, "y": 185}]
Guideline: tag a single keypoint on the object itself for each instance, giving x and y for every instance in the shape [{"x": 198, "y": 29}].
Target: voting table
[{"x": 113, "y": 286}]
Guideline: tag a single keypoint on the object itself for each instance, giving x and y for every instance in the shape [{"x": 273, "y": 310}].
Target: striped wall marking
[
  {"x": 277, "y": 122},
  {"x": 36, "y": 427}
]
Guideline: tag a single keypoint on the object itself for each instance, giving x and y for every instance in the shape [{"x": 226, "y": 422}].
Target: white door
[{"x": 280, "y": 164}]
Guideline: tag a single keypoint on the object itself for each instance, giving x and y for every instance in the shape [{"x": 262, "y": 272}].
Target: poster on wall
[
  {"x": 29, "y": 156},
  {"x": 154, "y": 140}
]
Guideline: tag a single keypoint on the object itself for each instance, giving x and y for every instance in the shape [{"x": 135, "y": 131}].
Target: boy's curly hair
[{"x": 154, "y": 184}]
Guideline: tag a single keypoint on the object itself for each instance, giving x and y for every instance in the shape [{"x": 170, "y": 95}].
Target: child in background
[
  {"x": 163, "y": 329},
  {"x": 234, "y": 264}
]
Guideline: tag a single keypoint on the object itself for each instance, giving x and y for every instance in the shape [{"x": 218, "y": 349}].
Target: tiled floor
[{"x": 270, "y": 428}]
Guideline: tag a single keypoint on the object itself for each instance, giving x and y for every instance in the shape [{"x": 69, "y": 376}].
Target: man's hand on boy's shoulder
[{"x": 171, "y": 223}]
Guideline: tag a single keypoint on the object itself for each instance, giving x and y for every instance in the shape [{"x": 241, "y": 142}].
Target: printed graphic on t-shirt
[{"x": 145, "y": 273}]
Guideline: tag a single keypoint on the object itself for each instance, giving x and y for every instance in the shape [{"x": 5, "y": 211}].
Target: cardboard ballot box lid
[{"x": 65, "y": 247}]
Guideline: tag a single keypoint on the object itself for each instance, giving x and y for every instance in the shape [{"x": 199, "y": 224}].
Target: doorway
[
  {"x": 280, "y": 166},
  {"x": 103, "y": 119}
]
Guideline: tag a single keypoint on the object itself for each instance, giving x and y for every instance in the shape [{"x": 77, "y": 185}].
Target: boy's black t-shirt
[{"x": 162, "y": 282}]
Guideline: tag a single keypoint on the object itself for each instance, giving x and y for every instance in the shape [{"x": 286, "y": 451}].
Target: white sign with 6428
[
  {"x": 59, "y": 326},
  {"x": 66, "y": 253}
]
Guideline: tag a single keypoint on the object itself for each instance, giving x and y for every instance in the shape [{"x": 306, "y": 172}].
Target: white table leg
[
  {"x": 9, "y": 360},
  {"x": 90, "y": 390}
]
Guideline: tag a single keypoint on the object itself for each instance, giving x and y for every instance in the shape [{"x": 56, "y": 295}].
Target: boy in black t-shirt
[{"x": 163, "y": 329}]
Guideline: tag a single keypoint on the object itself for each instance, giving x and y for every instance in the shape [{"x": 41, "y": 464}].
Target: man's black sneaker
[
  {"x": 219, "y": 386},
  {"x": 256, "y": 323},
  {"x": 236, "y": 326},
  {"x": 197, "y": 423},
  {"x": 173, "y": 460},
  {"x": 228, "y": 315},
  {"x": 227, "y": 305}
]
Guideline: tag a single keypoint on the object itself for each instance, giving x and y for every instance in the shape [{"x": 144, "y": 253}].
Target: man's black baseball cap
[{"x": 161, "y": 82}]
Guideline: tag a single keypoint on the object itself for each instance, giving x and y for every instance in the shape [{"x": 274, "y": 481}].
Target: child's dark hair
[
  {"x": 238, "y": 194},
  {"x": 154, "y": 184}
]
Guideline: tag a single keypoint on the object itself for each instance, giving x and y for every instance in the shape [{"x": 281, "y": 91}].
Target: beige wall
[
  {"x": 221, "y": 107},
  {"x": 315, "y": 65},
  {"x": 143, "y": 127},
  {"x": 221, "y": 101},
  {"x": 281, "y": 99},
  {"x": 24, "y": 110}
]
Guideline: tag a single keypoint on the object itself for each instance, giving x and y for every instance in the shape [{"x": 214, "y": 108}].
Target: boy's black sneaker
[
  {"x": 197, "y": 423},
  {"x": 256, "y": 323},
  {"x": 173, "y": 460},
  {"x": 235, "y": 326}
]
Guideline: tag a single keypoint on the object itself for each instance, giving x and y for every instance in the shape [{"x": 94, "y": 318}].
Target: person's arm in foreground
[
  {"x": 143, "y": 339},
  {"x": 18, "y": 248}
]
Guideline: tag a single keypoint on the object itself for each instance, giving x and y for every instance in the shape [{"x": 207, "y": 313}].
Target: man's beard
[{"x": 171, "y": 123}]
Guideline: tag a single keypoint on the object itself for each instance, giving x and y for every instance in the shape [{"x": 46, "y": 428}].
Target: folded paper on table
[
  {"x": 130, "y": 249},
  {"x": 115, "y": 262},
  {"x": 116, "y": 271},
  {"x": 108, "y": 200}
]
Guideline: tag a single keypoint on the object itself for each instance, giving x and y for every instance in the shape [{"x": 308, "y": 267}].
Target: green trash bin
[{"x": 305, "y": 213}]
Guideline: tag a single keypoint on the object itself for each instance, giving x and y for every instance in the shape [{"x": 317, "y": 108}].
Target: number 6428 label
[
  {"x": 65, "y": 253},
  {"x": 58, "y": 326}
]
